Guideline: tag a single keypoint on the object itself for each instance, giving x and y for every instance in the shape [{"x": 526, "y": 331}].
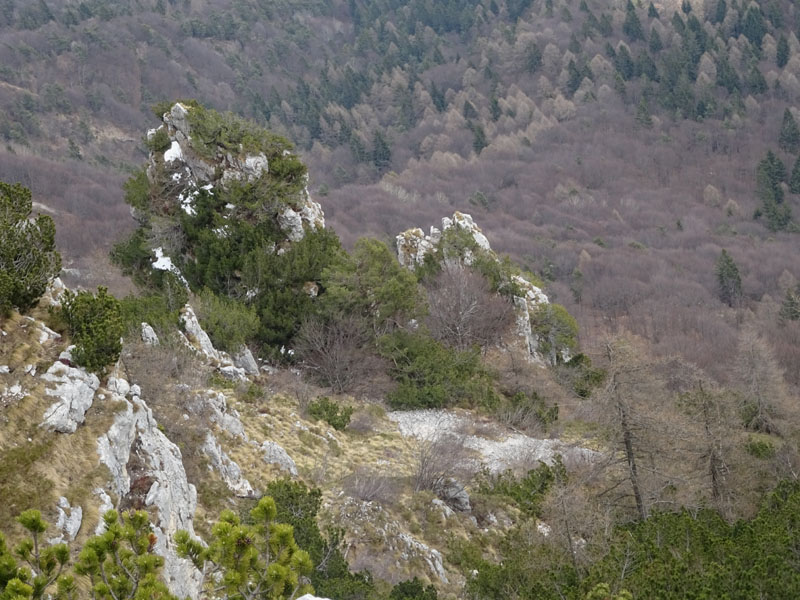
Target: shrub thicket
[
  {"x": 96, "y": 326},
  {"x": 28, "y": 259}
]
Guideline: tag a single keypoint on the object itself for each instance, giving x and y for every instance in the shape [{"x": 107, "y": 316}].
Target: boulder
[
  {"x": 74, "y": 389},
  {"x": 454, "y": 495},
  {"x": 229, "y": 471},
  {"x": 276, "y": 455},
  {"x": 149, "y": 336}
]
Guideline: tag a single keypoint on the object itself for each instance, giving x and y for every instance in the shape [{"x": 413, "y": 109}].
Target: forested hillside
[
  {"x": 615, "y": 149},
  {"x": 592, "y": 393}
]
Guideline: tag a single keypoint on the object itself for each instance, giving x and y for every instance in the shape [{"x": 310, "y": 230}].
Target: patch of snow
[
  {"x": 173, "y": 153},
  {"x": 164, "y": 263}
]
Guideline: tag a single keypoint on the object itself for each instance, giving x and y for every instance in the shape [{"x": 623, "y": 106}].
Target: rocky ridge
[{"x": 413, "y": 245}]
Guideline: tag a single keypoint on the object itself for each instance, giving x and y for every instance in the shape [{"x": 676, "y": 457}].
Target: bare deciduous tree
[
  {"x": 335, "y": 351},
  {"x": 463, "y": 311},
  {"x": 761, "y": 382}
]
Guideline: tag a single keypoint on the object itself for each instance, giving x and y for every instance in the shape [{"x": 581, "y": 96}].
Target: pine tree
[
  {"x": 643, "y": 117},
  {"x": 686, "y": 7},
  {"x": 721, "y": 11},
  {"x": 258, "y": 560},
  {"x": 28, "y": 258},
  {"x": 794, "y": 180},
  {"x": 656, "y": 45},
  {"x": 782, "y": 55},
  {"x": 729, "y": 282},
  {"x": 632, "y": 27},
  {"x": 381, "y": 153},
  {"x": 652, "y": 12},
  {"x": 789, "y": 138}
]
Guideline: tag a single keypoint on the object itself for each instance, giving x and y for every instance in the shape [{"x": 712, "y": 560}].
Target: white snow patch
[
  {"x": 164, "y": 263},
  {"x": 173, "y": 153}
]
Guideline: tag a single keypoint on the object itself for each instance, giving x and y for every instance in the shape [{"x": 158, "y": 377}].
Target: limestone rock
[
  {"x": 229, "y": 471},
  {"x": 413, "y": 246},
  {"x": 175, "y": 499},
  {"x": 68, "y": 523},
  {"x": 244, "y": 359},
  {"x": 105, "y": 506},
  {"x": 291, "y": 223},
  {"x": 74, "y": 388},
  {"x": 454, "y": 495},
  {"x": 226, "y": 418},
  {"x": 149, "y": 336},
  {"x": 276, "y": 455},
  {"x": 196, "y": 334}
]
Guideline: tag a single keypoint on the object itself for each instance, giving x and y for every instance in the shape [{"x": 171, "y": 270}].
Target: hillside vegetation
[{"x": 593, "y": 395}]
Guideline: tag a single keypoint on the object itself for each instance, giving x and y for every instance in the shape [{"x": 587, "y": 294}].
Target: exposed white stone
[
  {"x": 499, "y": 451},
  {"x": 276, "y": 455},
  {"x": 412, "y": 247},
  {"x": 291, "y": 223},
  {"x": 233, "y": 373},
  {"x": 4, "y": 369},
  {"x": 68, "y": 522},
  {"x": 197, "y": 335},
  {"x": 244, "y": 359},
  {"x": 171, "y": 494},
  {"x": 118, "y": 385},
  {"x": 105, "y": 506},
  {"x": 74, "y": 388},
  {"x": 226, "y": 418},
  {"x": 311, "y": 597},
  {"x": 229, "y": 471},
  {"x": 149, "y": 336}
]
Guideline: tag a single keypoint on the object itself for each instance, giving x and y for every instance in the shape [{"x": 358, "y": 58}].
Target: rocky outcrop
[
  {"x": 149, "y": 336},
  {"x": 74, "y": 389},
  {"x": 198, "y": 340},
  {"x": 373, "y": 535},
  {"x": 413, "y": 246},
  {"x": 276, "y": 455},
  {"x": 135, "y": 439},
  {"x": 245, "y": 360},
  {"x": 68, "y": 523},
  {"x": 193, "y": 171},
  {"x": 229, "y": 471}
]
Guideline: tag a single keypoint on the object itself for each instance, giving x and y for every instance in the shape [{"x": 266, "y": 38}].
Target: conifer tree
[
  {"x": 28, "y": 258},
  {"x": 656, "y": 45},
  {"x": 643, "y": 117},
  {"x": 729, "y": 282},
  {"x": 652, "y": 12},
  {"x": 782, "y": 55},
  {"x": 632, "y": 27},
  {"x": 789, "y": 138},
  {"x": 794, "y": 180}
]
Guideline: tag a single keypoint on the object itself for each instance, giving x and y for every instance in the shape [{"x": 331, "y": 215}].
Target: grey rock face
[
  {"x": 74, "y": 389},
  {"x": 175, "y": 499},
  {"x": 276, "y": 455},
  {"x": 68, "y": 523},
  {"x": 227, "y": 468},
  {"x": 454, "y": 495},
  {"x": 244, "y": 359},
  {"x": 149, "y": 336},
  {"x": 413, "y": 246}
]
